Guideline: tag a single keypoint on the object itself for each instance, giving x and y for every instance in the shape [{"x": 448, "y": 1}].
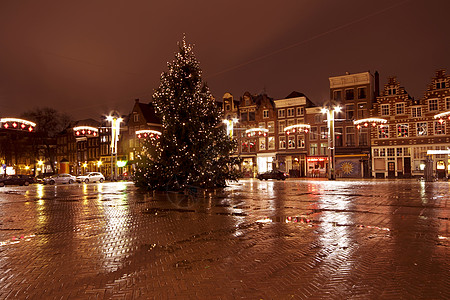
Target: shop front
[
  {"x": 248, "y": 167},
  {"x": 265, "y": 162},
  {"x": 317, "y": 166}
]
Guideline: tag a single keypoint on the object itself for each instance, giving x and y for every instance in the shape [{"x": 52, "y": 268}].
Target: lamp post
[
  {"x": 230, "y": 126},
  {"x": 115, "y": 130},
  {"x": 329, "y": 108}
]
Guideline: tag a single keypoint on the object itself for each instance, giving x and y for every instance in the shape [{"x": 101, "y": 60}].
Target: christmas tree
[{"x": 194, "y": 149}]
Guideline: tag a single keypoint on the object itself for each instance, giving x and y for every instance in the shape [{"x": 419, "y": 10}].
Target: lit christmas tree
[{"x": 194, "y": 149}]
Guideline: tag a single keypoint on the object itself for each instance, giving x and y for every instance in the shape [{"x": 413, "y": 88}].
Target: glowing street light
[
  {"x": 230, "y": 125},
  {"x": 115, "y": 131},
  {"x": 330, "y": 108}
]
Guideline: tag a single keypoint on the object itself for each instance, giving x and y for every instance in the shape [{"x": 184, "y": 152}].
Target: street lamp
[
  {"x": 330, "y": 108},
  {"x": 230, "y": 125},
  {"x": 115, "y": 131}
]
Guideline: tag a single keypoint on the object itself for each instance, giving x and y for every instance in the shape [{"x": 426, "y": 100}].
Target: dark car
[
  {"x": 273, "y": 174},
  {"x": 16, "y": 180}
]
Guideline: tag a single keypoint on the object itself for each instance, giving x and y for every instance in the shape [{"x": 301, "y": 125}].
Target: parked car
[
  {"x": 272, "y": 174},
  {"x": 16, "y": 180},
  {"x": 91, "y": 177},
  {"x": 60, "y": 178}
]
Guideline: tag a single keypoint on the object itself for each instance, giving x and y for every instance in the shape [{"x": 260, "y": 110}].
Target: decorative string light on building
[
  {"x": 19, "y": 124},
  {"x": 147, "y": 133},
  {"x": 257, "y": 132},
  {"x": 443, "y": 115},
  {"x": 297, "y": 128},
  {"x": 85, "y": 131},
  {"x": 365, "y": 122}
]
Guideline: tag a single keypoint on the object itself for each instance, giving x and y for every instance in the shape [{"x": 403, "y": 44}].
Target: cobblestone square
[{"x": 293, "y": 239}]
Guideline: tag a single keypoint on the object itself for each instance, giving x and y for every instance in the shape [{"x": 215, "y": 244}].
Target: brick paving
[{"x": 297, "y": 239}]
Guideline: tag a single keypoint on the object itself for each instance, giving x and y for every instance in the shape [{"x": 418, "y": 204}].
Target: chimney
[{"x": 136, "y": 100}]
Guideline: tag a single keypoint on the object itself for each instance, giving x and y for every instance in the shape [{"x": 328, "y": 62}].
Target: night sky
[{"x": 86, "y": 58}]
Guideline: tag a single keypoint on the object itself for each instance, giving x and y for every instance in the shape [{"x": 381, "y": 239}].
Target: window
[
  {"x": 291, "y": 142},
  {"x": 447, "y": 103},
  {"x": 349, "y": 111},
  {"x": 400, "y": 108},
  {"x": 363, "y": 138},
  {"x": 349, "y": 94},
  {"x": 362, "y": 112},
  {"x": 390, "y": 151},
  {"x": 290, "y": 112},
  {"x": 440, "y": 84},
  {"x": 227, "y": 107},
  {"x": 362, "y": 93},
  {"x": 313, "y": 149},
  {"x": 281, "y": 113},
  {"x": 323, "y": 133},
  {"x": 392, "y": 91},
  {"x": 318, "y": 118},
  {"x": 300, "y": 111},
  {"x": 282, "y": 142},
  {"x": 244, "y": 146},
  {"x": 376, "y": 152},
  {"x": 416, "y": 112},
  {"x": 382, "y": 152},
  {"x": 323, "y": 148},
  {"x": 247, "y": 101},
  {"x": 432, "y": 104},
  {"x": 385, "y": 109},
  {"x": 244, "y": 117},
  {"x": 402, "y": 130},
  {"x": 271, "y": 143},
  {"x": 439, "y": 127},
  {"x": 290, "y": 122},
  {"x": 313, "y": 133},
  {"x": 252, "y": 145},
  {"x": 350, "y": 136},
  {"x": 399, "y": 151},
  {"x": 251, "y": 116},
  {"x": 281, "y": 125},
  {"x": 265, "y": 113},
  {"x": 337, "y": 95},
  {"x": 262, "y": 143},
  {"x": 421, "y": 129},
  {"x": 135, "y": 117},
  {"x": 300, "y": 141},
  {"x": 383, "y": 131},
  {"x": 271, "y": 126},
  {"x": 262, "y": 124},
  {"x": 338, "y": 136}
]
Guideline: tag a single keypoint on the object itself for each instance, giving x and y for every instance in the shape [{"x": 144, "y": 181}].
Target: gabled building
[
  {"x": 413, "y": 127},
  {"x": 142, "y": 123},
  {"x": 292, "y": 144},
  {"x": 355, "y": 93}
]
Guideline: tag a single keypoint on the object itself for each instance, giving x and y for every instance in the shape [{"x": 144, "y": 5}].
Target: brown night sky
[{"x": 88, "y": 57}]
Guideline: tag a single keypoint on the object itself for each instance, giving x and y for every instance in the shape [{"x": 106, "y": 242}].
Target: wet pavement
[{"x": 294, "y": 239}]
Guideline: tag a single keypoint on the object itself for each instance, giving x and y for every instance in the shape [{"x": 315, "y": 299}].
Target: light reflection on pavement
[{"x": 254, "y": 239}]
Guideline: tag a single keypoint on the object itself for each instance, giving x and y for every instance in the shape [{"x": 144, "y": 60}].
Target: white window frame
[
  {"x": 281, "y": 113},
  {"x": 385, "y": 108},
  {"x": 421, "y": 128},
  {"x": 265, "y": 113},
  {"x": 435, "y": 104},
  {"x": 416, "y": 112},
  {"x": 282, "y": 142},
  {"x": 400, "y": 108}
]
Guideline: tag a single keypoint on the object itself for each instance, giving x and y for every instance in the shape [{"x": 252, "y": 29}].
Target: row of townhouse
[
  {"x": 87, "y": 145},
  {"x": 392, "y": 137},
  {"x": 376, "y": 134}
]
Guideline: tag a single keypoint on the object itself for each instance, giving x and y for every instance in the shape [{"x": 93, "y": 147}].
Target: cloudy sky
[{"x": 86, "y": 58}]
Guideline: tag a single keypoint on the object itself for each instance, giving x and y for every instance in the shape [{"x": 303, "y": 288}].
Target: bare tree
[{"x": 49, "y": 123}]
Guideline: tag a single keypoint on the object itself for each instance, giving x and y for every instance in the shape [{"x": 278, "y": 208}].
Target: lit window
[
  {"x": 421, "y": 129},
  {"x": 291, "y": 142},
  {"x": 383, "y": 131},
  {"x": 300, "y": 141},
  {"x": 439, "y": 127},
  {"x": 281, "y": 125},
  {"x": 282, "y": 142},
  {"x": 271, "y": 143},
  {"x": 262, "y": 143},
  {"x": 402, "y": 130},
  {"x": 271, "y": 126}
]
